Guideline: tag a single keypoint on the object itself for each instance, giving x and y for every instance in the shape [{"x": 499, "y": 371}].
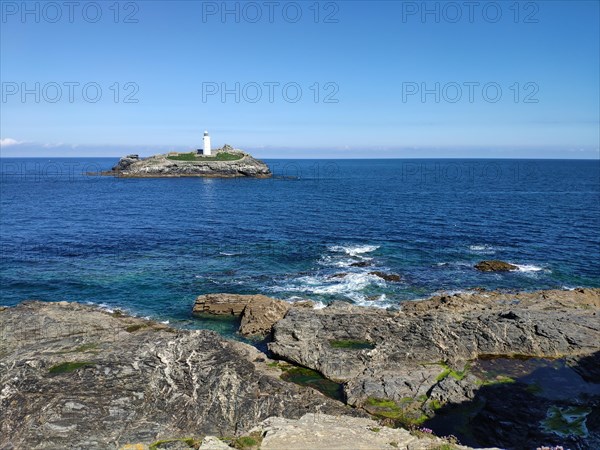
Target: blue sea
[{"x": 150, "y": 246}]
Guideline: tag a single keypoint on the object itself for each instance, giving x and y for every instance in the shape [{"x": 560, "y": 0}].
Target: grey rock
[
  {"x": 225, "y": 304},
  {"x": 323, "y": 431},
  {"x": 125, "y": 162},
  {"x": 410, "y": 344},
  {"x": 394, "y": 278},
  {"x": 260, "y": 315},
  {"x": 75, "y": 377},
  {"x": 451, "y": 390},
  {"x": 213, "y": 443}
]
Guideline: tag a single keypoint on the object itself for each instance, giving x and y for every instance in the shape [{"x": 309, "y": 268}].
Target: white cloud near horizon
[{"x": 9, "y": 142}]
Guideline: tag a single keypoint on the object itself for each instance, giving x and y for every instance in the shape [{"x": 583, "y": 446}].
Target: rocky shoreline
[
  {"x": 479, "y": 365},
  {"x": 226, "y": 162}
]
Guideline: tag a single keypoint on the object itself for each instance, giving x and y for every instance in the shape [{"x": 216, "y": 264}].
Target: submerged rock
[
  {"x": 360, "y": 264},
  {"x": 339, "y": 275},
  {"x": 387, "y": 276},
  {"x": 495, "y": 266}
]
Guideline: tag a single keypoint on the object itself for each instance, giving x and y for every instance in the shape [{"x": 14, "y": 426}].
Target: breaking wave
[{"x": 353, "y": 250}]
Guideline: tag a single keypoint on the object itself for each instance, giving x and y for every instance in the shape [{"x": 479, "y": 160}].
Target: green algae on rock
[{"x": 565, "y": 422}]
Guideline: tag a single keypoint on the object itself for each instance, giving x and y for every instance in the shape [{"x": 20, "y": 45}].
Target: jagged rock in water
[
  {"x": 125, "y": 162},
  {"x": 360, "y": 264},
  {"x": 394, "y": 278},
  {"x": 495, "y": 266}
]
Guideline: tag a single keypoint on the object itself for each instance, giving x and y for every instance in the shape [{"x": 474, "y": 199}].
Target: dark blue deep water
[{"x": 150, "y": 246}]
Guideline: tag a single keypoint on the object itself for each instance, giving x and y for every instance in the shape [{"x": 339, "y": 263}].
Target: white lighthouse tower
[{"x": 206, "y": 142}]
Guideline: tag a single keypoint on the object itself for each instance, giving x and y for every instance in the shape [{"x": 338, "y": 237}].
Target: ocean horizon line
[{"x": 334, "y": 159}]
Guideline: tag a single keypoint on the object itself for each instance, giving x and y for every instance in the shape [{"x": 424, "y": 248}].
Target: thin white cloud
[
  {"x": 55, "y": 144},
  {"x": 9, "y": 142}
]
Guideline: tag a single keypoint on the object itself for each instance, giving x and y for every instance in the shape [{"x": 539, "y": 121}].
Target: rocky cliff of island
[{"x": 225, "y": 162}]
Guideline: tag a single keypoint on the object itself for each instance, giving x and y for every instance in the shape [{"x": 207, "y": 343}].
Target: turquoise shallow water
[{"x": 149, "y": 246}]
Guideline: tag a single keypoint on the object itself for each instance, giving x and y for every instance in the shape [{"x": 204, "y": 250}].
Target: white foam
[
  {"x": 348, "y": 286},
  {"x": 374, "y": 303},
  {"x": 454, "y": 264},
  {"x": 482, "y": 249},
  {"x": 349, "y": 262},
  {"x": 528, "y": 268},
  {"x": 353, "y": 250},
  {"x": 445, "y": 293},
  {"x": 104, "y": 307}
]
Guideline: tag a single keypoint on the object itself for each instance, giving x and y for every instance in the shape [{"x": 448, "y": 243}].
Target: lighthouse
[{"x": 206, "y": 142}]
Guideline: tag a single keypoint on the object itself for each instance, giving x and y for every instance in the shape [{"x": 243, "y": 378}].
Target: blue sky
[{"x": 532, "y": 75}]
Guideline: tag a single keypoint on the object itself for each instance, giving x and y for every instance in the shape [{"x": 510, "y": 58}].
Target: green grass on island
[{"x": 193, "y": 156}]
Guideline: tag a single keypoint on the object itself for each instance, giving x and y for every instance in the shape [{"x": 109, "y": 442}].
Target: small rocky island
[{"x": 225, "y": 162}]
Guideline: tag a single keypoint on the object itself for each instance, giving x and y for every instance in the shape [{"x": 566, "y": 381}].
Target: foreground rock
[
  {"x": 225, "y": 163},
  {"x": 258, "y": 312},
  {"x": 495, "y": 266},
  {"x": 75, "y": 377},
  {"x": 406, "y": 365},
  {"x": 322, "y": 431}
]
